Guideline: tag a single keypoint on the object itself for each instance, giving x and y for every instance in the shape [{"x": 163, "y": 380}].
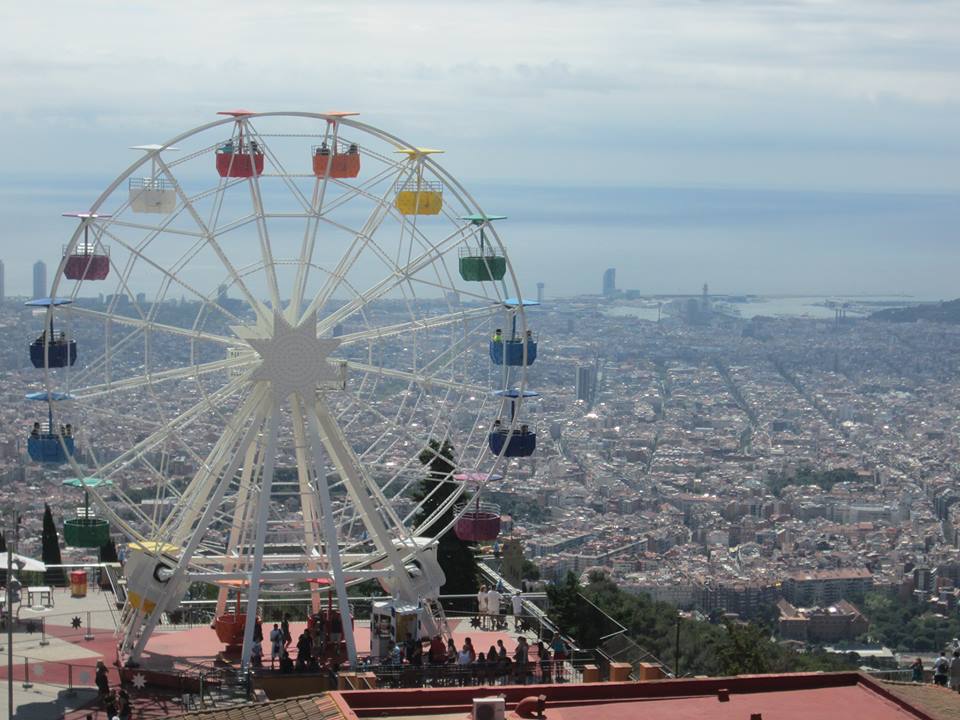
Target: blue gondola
[
  {"x": 521, "y": 443},
  {"x": 48, "y": 444},
  {"x": 511, "y": 351},
  {"x": 52, "y": 349}
]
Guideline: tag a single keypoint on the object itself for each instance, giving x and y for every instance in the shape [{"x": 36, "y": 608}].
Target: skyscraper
[
  {"x": 609, "y": 282},
  {"x": 586, "y": 383},
  {"x": 540, "y": 287},
  {"x": 39, "y": 279}
]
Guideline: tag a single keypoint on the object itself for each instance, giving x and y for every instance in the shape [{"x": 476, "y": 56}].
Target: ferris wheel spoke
[
  {"x": 399, "y": 276},
  {"x": 374, "y": 510},
  {"x": 281, "y": 170},
  {"x": 209, "y": 477},
  {"x": 215, "y": 496},
  {"x": 169, "y": 277},
  {"x": 423, "y": 381},
  {"x": 184, "y": 373},
  {"x": 210, "y": 237},
  {"x": 360, "y": 239},
  {"x": 413, "y": 326},
  {"x": 173, "y": 427},
  {"x": 156, "y": 229},
  {"x": 154, "y": 326}
]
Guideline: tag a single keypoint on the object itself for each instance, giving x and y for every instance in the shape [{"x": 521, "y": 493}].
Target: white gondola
[{"x": 152, "y": 194}]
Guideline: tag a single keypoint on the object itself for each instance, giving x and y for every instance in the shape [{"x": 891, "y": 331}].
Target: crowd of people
[
  {"x": 946, "y": 671},
  {"x": 433, "y": 661}
]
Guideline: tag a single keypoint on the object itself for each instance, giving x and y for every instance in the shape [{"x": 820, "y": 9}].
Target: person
[
  {"x": 254, "y": 147},
  {"x": 463, "y": 665},
  {"x": 482, "y": 605},
  {"x": 276, "y": 644},
  {"x": 68, "y": 431},
  {"x": 524, "y": 429},
  {"x": 285, "y": 629},
  {"x": 496, "y": 425},
  {"x": 955, "y": 671},
  {"x": 543, "y": 659},
  {"x": 520, "y": 658},
  {"x": 124, "y": 708},
  {"x": 394, "y": 653},
  {"x": 469, "y": 645},
  {"x": 227, "y": 147},
  {"x": 529, "y": 335},
  {"x": 102, "y": 680},
  {"x": 286, "y": 664},
  {"x": 517, "y": 603},
  {"x": 498, "y": 336},
  {"x": 501, "y": 649},
  {"x": 941, "y": 670},
  {"x": 352, "y": 150},
  {"x": 258, "y": 630},
  {"x": 493, "y": 606},
  {"x": 324, "y": 149},
  {"x": 408, "y": 647},
  {"x": 304, "y": 650},
  {"x": 110, "y": 706},
  {"x": 416, "y": 655},
  {"x": 451, "y": 652},
  {"x": 256, "y": 656},
  {"x": 917, "y": 670},
  {"x": 437, "y": 651},
  {"x": 36, "y": 430}
]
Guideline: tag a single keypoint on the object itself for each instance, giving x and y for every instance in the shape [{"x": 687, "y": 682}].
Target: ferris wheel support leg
[
  {"x": 200, "y": 531},
  {"x": 332, "y": 541},
  {"x": 235, "y": 529},
  {"x": 324, "y": 425},
  {"x": 309, "y": 509},
  {"x": 263, "y": 514}
]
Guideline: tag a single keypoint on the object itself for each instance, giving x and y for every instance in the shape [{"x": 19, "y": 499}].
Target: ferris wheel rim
[{"x": 437, "y": 169}]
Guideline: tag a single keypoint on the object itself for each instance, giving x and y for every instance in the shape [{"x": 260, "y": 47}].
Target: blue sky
[{"x": 603, "y": 99}]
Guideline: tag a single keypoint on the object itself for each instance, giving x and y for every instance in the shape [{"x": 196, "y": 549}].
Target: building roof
[
  {"x": 305, "y": 707},
  {"x": 825, "y": 696}
]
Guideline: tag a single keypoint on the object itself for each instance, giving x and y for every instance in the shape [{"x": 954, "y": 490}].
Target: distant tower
[
  {"x": 540, "y": 287},
  {"x": 39, "y": 279},
  {"x": 586, "y": 383},
  {"x": 2, "y": 287},
  {"x": 609, "y": 282}
]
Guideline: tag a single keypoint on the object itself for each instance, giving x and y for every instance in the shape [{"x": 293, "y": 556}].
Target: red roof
[{"x": 802, "y": 696}]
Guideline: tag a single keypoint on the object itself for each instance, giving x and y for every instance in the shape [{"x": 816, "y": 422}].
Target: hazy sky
[{"x": 851, "y": 96}]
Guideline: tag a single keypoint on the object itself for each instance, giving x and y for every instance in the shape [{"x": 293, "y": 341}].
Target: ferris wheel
[{"x": 267, "y": 325}]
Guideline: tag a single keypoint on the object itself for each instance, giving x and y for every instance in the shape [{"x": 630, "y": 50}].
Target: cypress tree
[
  {"x": 455, "y": 556},
  {"x": 51, "y": 548}
]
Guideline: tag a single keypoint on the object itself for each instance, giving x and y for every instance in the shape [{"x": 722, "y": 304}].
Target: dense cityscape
[{"x": 771, "y": 467}]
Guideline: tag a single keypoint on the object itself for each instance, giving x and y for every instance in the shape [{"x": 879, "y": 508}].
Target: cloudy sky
[{"x": 849, "y": 98}]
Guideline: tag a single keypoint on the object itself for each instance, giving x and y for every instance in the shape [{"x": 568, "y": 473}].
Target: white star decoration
[
  {"x": 139, "y": 681},
  {"x": 294, "y": 359}
]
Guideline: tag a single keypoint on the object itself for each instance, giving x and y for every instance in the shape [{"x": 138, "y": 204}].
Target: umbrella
[{"x": 29, "y": 564}]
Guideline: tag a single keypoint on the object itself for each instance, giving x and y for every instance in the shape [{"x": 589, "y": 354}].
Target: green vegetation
[
  {"x": 705, "y": 648},
  {"x": 807, "y": 475},
  {"x": 947, "y": 312},
  {"x": 51, "y": 549},
  {"x": 454, "y": 555},
  {"x": 906, "y": 626}
]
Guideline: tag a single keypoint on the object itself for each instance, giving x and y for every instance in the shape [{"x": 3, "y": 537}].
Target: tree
[
  {"x": 455, "y": 556},
  {"x": 511, "y": 566},
  {"x": 740, "y": 650},
  {"x": 51, "y": 548}
]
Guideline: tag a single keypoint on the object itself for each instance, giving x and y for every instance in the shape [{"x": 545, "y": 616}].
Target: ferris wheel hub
[{"x": 294, "y": 359}]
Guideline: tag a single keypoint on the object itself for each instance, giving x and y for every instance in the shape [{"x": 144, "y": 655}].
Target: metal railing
[{"x": 142, "y": 183}]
